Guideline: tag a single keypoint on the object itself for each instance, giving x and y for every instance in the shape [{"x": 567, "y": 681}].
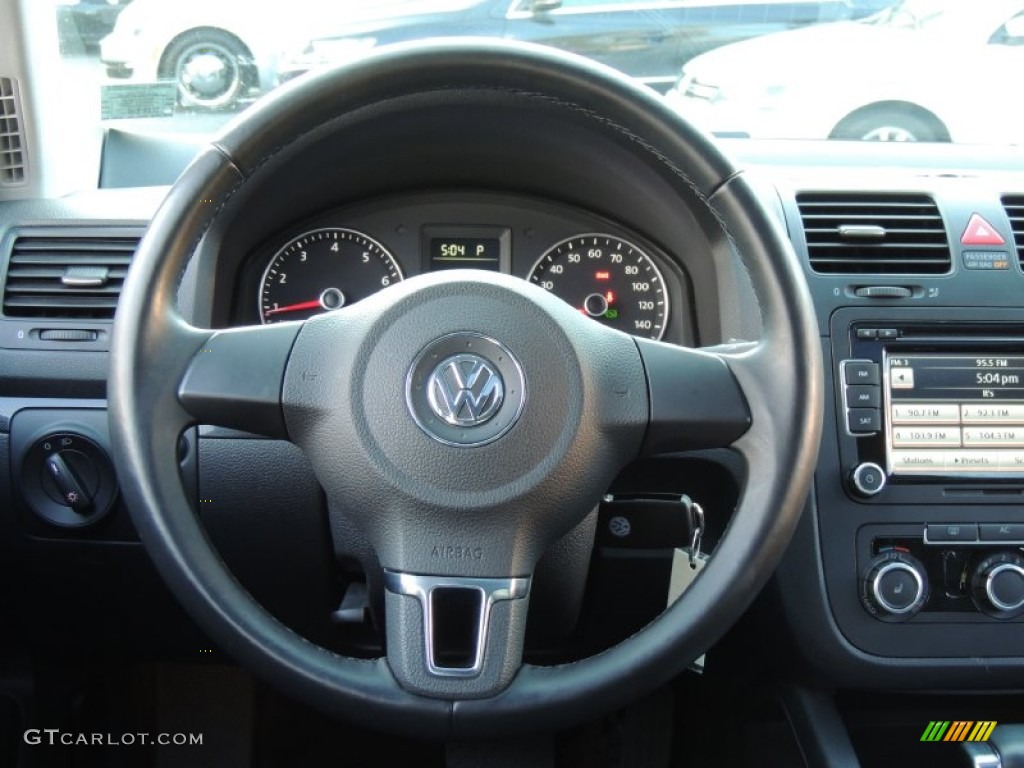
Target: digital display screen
[
  {"x": 465, "y": 253},
  {"x": 955, "y": 414},
  {"x": 957, "y": 377}
]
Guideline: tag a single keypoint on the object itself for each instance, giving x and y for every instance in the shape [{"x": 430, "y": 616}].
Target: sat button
[{"x": 864, "y": 421}]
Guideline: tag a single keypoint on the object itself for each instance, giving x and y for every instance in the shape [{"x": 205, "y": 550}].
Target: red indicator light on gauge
[
  {"x": 603, "y": 275},
  {"x": 610, "y": 297}
]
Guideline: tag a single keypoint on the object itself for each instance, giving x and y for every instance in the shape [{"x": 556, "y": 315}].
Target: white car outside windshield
[{"x": 919, "y": 72}]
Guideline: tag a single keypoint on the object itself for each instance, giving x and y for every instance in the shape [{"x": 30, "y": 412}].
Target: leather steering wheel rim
[{"x": 780, "y": 377}]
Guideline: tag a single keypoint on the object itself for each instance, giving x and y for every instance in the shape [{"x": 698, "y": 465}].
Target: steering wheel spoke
[
  {"x": 696, "y": 400},
  {"x": 455, "y": 636},
  {"x": 235, "y": 377}
]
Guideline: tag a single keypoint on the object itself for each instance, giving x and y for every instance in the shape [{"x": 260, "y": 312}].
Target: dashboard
[{"x": 907, "y": 569}]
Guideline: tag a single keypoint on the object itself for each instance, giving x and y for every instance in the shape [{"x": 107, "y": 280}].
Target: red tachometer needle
[{"x": 315, "y": 304}]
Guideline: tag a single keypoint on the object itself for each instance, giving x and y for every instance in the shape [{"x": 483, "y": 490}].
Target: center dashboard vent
[
  {"x": 1014, "y": 205},
  {"x": 874, "y": 233},
  {"x": 67, "y": 275}
]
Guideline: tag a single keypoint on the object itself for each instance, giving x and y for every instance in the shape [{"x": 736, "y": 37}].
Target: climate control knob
[
  {"x": 894, "y": 586},
  {"x": 998, "y": 585}
]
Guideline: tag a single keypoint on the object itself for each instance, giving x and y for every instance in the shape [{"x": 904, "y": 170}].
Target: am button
[{"x": 864, "y": 396}]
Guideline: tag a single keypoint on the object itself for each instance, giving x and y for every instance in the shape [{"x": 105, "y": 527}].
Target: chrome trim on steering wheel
[{"x": 490, "y": 591}]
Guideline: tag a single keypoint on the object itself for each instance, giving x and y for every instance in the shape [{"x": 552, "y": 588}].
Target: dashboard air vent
[
  {"x": 1014, "y": 205},
  {"x": 12, "y": 145},
  {"x": 67, "y": 275},
  {"x": 874, "y": 233}
]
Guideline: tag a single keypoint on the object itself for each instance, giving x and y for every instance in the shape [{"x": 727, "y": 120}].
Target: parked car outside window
[
  {"x": 647, "y": 39},
  {"x": 888, "y": 78}
]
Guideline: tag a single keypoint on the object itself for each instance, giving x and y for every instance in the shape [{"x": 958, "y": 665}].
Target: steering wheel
[{"x": 464, "y": 420}]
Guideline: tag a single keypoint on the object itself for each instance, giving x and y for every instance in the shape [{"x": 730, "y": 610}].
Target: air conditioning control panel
[{"x": 928, "y": 578}]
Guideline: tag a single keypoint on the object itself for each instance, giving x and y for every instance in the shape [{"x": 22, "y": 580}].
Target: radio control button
[
  {"x": 1013, "y": 461},
  {"x": 989, "y": 413},
  {"x": 925, "y": 413},
  {"x": 974, "y": 461},
  {"x": 864, "y": 421},
  {"x": 867, "y": 333},
  {"x": 888, "y": 333},
  {"x": 986, "y": 437},
  {"x": 901, "y": 378},
  {"x": 918, "y": 461},
  {"x": 868, "y": 479},
  {"x": 935, "y": 533},
  {"x": 1001, "y": 532},
  {"x": 861, "y": 372},
  {"x": 905, "y": 437},
  {"x": 864, "y": 396}
]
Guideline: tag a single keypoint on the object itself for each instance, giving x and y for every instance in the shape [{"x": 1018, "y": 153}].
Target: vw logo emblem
[{"x": 465, "y": 391}]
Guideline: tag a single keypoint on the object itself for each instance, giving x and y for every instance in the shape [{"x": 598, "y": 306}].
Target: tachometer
[
  {"x": 609, "y": 279},
  {"x": 322, "y": 270}
]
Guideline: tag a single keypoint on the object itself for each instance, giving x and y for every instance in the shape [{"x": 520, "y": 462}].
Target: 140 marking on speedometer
[{"x": 608, "y": 279}]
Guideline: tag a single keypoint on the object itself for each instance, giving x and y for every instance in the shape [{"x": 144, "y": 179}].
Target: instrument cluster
[{"x": 607, "y": 272}]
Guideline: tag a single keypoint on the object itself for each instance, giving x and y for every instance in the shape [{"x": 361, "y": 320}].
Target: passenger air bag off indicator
[
  {"x": 983, "y": 260},
  {"x": 980, "y": 232}
]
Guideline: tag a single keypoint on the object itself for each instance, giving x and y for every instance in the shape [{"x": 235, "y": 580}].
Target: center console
[{"x": 922, "y": 538}]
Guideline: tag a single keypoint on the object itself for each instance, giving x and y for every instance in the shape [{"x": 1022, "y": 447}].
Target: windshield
[{"x": 910, "y": 70}]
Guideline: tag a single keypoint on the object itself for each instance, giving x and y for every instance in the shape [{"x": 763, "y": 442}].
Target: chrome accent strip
[
  {"x": 862, "y": 232},
  {"x": 491, "y": 591},
  {"x": 85, "y": 277}
]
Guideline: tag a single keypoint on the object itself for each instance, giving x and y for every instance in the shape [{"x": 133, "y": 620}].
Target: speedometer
[
  {"x": 609, "y": 279},
  {"x": 323, "y": 270}
]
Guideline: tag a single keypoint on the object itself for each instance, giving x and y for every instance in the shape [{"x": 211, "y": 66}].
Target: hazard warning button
[{"x": 980, "y": 232}]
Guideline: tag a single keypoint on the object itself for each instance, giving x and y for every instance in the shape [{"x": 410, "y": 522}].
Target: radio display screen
[{"x": 955, "y": 414}]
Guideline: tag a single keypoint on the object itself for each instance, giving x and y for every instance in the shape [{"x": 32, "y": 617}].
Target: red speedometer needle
[{"x": 315, "y": 304}]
